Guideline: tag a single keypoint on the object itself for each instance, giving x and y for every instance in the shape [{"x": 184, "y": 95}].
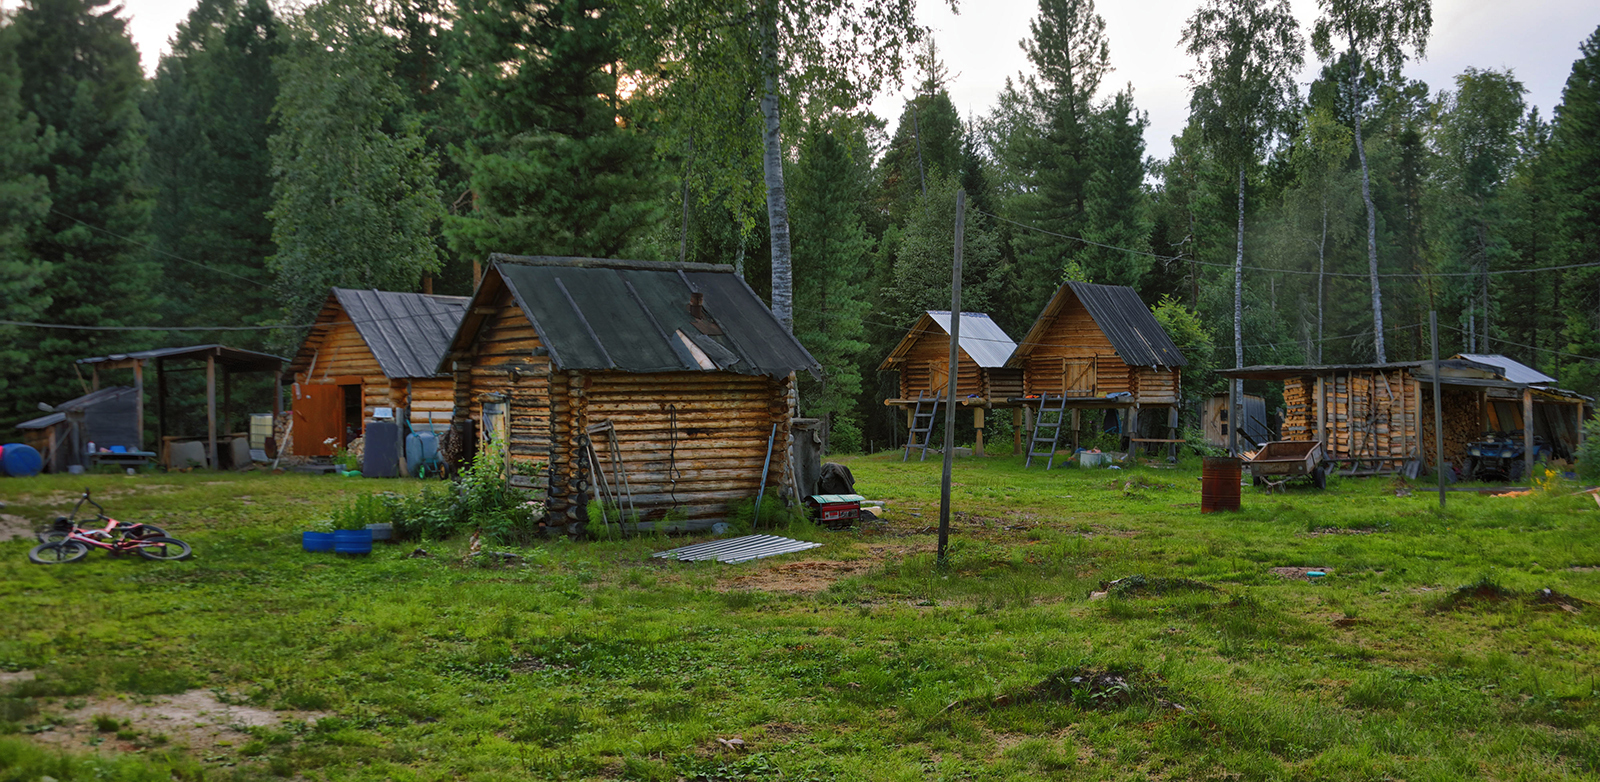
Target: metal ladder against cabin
[
  {"x": 917, "y": 426},
  {"x": 1039, "y": 427},
  {"x": 615, "y": 490}
]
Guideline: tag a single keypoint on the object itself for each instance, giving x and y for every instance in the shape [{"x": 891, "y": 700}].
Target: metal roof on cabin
[
  {"x": 626, "y": 315},
  {"x": 1514, "y": 371},
  {"x": 407, "y": 332},
  {"x": 1128, "y": 324},
  {"x": 981, "y": 338}
]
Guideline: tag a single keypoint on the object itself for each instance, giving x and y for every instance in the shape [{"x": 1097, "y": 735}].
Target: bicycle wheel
[
  {"x": 58, "y": 553},
  {"x": 163, "y": 548}
]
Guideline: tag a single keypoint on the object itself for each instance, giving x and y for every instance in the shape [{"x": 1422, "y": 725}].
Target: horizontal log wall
[
  {"x": 929, "y": 358},
  {"x": 1074, "y": 335},
  {"x": 1157, "y": 386},
  {"x": 504, "y": 368},
  {"x": 1001, "y": 383},
  {"x": 694, "y": 441},
  {"x": 435, "y": 396}
]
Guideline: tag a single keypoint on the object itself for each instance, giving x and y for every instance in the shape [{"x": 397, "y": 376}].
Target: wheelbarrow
[{"x": 1281, "y": 461}]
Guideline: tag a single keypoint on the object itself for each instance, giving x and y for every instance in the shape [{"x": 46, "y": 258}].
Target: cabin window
[{"x": 495, "y": 421}]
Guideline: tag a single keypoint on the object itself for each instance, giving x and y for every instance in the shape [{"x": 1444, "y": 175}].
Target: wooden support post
[
  {"x": 1016, "y": 430},
  {"x": 1131, "y": 429},
  {"x": 1438, "y": 408},
  {"x": 161, "y": 410},
  {"x": 977, "y": 426},
  {"x": 1483, "y": 411},
  {"x": 138, "y": 403},
  {"x": 911, "y": 423},
  {"x": 277, "y": 398},
  {"x": 1527, "y": 434},
  {"x": 95, "y": 373},
  {"x": 1076, "y": 429},
  {"x": 1321, "y": 401},
  {"x": 1172, "y": 431},
  {"x": 211, "y": 409},
  {"x": 227, "y": 400}
]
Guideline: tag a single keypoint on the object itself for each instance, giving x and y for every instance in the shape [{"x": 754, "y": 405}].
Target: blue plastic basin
[
  {"x": 316, "y": 541},
  {"x": 352, "y": 541}
]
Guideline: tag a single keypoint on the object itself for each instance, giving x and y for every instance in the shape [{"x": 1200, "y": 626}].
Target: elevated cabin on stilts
[
  {"x": 1097, "y": 348},
  {"x": 368, "y": 350},
  {"x": 665, "y": 388},
  {"x": 983, "y": 382}
]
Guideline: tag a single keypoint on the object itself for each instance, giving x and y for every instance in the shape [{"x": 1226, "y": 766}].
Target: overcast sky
[{"x": 1537, "y": 39}]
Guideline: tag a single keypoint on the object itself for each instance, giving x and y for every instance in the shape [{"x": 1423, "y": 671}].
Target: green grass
[{"x": 594, "y": 661}]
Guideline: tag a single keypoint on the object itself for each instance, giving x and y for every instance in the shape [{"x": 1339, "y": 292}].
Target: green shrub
[
  {"x": 844, "y": 436},
  {"x": 481, "y": 498}
]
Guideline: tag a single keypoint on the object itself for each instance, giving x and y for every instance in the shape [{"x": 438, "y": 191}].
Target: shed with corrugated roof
[
  {"x": 372, "y": 349},
  {"x": 679, "y": 365}
]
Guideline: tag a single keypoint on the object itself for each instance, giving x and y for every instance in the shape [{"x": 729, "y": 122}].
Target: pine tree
[
  {"x": 555, "y": 173},
  {"x": 210, "y": 115},
  {"x": 24, "y": 203},
  {"x": 355, "y": 203},
  {"x": 1575, "y": 175},
  {"x": 832, "y": 255},
  {"x": 1068, "y": 49},
  {"x": 1116, "y": 207},
  {"x": 80, "y": 77}
]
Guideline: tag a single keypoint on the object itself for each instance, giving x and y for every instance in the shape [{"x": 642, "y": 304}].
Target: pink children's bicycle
[{"x": 69, "y": 540}]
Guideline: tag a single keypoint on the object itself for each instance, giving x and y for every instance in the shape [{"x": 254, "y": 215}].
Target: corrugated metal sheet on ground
[
  {"x": 633, "y": 316},
  {"x": 981, "y": 338},
  {"x": 407, "y": 332},
  {"x": 734, "y": 550},
  {"x": 1138, "y": 337}
]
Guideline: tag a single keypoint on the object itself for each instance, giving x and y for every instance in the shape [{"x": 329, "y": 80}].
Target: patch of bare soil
[
  {"x": 814, "y": 575},
  {"x": 796, "y": 578},
  {"x": 196, "y": 719},
  {"x": 15, "y": 527},
  {"x": 66, "y": 499},
  {"x": 1583, "y": 569},
  {"x": 1301, "y": 573},
  {"x": 7, "y": 677}
]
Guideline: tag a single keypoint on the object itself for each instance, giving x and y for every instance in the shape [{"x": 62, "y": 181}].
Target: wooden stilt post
[
  {"x": 977, "y": 426},
  {"x": 1527, "y": 434},
  {"x": 1172, "y": 431},
  {"x": 1016, "y": 430},
  {"x": 1438, "y": 409},
  {"x": 1077, "y": 428}
]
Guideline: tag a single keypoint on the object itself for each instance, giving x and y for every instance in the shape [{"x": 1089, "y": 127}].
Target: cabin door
[
  {"x": 318, "y": 419},
  {"x": 1078, "y": 376},
  {"x": 938, "y": 377}
]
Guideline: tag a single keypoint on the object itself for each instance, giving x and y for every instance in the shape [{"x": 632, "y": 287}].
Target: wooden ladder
[
  {"x": 1039, "y": 427},
  {"x": 925, "y": 429}
]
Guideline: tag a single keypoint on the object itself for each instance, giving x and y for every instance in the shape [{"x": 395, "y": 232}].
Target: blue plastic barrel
[
  {"x": 316, "y": 541},
  {"x": 421, "y": 448},
  {"x": 352, "y": 541},
  {"x": 20, "y": 461}
]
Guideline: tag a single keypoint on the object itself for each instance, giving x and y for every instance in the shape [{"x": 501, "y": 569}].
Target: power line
[
  {"x": 155, "y": 249},
  {"x": 70, "y": 327},
  {"x": 1355, "y": 275},
  {"x": 1530, "y": 347}
]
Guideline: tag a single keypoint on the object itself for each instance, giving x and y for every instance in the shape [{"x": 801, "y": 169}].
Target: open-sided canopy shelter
[
  {"x": 232, "y": 361},
  {"x": 1377, "y": 417},
  {"x": 680, "y": 366}
]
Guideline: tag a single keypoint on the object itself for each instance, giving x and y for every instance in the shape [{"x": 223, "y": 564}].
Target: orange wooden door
[{"x": 317, "y": 414}]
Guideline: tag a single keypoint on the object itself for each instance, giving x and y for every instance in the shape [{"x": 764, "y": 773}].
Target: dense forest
[{"x": 394, "y": 143}]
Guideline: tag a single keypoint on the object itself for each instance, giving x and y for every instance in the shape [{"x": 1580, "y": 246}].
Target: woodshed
[{"x": 679, "y": 367}]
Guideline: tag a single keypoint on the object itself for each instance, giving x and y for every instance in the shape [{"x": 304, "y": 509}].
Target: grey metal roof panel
[
  {"x": 407, "y": 332},
  {"x": 1514, "y": 371},
  {"x": 626, "y": 315},
  {"x": 981, "y": 338},
  {"x": 43, "y": 422},
  {"x": 735, "y": 550},
  {"x": 1133, "y": 330},
  {"x": 226, "y": 356}
]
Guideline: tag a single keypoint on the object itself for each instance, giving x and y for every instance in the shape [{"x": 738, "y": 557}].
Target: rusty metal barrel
[{"x": 1219, "y": 484}]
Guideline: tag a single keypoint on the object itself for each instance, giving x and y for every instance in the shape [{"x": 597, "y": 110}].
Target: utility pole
[
  {"x": 1438, "y": 408},
  {"x": 950, "y": 394}
]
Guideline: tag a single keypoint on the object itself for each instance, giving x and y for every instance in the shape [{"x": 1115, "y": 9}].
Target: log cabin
[
  {"x": 1097, "y": 348},
  {"x": 1375, "y": 419},
  {"x": 678, "y": 369},
  {"x": 983, "y": 381},
  {"x": 368, "y": 350}
]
